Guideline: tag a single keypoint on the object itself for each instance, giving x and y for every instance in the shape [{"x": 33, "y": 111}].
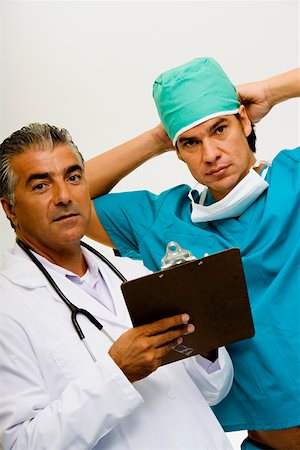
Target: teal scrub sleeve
[{"x": 126, "y": 217}]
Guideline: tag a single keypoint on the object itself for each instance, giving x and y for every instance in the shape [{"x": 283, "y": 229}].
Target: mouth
[
  {"x": 65, "y": 217},
  {"x": 217, "y": 171}
]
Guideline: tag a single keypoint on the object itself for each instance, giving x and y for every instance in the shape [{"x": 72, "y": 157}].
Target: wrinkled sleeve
[
  {"x": 213, "y": 379},
  {"x": 126, "y": 217},
  {"x": 30, "y": 419}
]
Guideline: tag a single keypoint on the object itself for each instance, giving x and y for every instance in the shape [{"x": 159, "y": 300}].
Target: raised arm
[
  {"x": 259, "y": 97},
  {"x": 106, "y": 169}
]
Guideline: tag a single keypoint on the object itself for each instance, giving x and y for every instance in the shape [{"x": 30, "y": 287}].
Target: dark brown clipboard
[{"x": 212, "y": 290}]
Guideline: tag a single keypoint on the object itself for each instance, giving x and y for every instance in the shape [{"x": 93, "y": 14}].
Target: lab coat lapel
[
  {"x": 82, "y": 299},
  {"x": 113, "y": 283},
  {"x": 21, "y": 270}
]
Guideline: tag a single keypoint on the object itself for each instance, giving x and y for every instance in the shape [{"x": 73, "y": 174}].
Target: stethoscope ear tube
[
  {"x": 105, "y": 260},
  {"x": 27, "y": 250},
  {"x": 74, "y": 309}
]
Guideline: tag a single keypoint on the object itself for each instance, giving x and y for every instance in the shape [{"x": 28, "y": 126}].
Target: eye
[
  {"x": 190, "y": 143},
  {"x": 39, "y": 187},
  {"x": 74, "y": 178},
  {"x": 220, "y": 129}
]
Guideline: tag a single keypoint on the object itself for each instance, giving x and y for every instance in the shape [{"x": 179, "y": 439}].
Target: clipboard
[{"x": 212, "y": 290}]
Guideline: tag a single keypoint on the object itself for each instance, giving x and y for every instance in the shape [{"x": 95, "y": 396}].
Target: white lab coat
[{"x": 54, "y": 397}]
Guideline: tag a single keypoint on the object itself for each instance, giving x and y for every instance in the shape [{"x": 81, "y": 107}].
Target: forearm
[
  {"x": 107, "y": 169},
  {"x": 283, "y": 87},
  {"x": 259, "y": 97}
]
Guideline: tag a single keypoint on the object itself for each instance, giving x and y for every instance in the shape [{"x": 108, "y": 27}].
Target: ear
[
  {"x": 245, "y": 121},
  {"x": 8, "y": 209},
  {"x": 179, "y": 156}
]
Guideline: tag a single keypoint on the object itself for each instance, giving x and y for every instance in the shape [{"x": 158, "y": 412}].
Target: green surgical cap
[{"x": 193, "y": 93}]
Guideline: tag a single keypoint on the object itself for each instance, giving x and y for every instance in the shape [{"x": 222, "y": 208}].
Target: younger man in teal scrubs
[{"x": 246, "y": 204}]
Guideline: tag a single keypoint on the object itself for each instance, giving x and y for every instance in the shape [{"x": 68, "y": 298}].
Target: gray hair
[{"x": 38, "y": 136}]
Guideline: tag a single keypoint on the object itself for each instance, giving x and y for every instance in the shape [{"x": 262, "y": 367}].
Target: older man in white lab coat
[{"x": 53, "y": 395}]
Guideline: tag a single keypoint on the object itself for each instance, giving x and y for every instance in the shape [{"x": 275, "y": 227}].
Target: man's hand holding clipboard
[{"x": 212, "y": 290}]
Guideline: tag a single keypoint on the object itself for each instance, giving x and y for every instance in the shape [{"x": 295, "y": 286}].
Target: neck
[
  {"x": 260, "y": 167},
  {"x": 69, "y": 257}
]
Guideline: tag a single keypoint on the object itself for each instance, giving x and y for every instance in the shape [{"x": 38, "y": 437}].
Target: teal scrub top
[{"x": 266, "y": 388}]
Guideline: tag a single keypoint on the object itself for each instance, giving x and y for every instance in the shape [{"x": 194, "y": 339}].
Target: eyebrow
[
  {"x": 217, "y": 124},
  {"x": 184, "y": 139},
  {"x": 73, "y": 169},
  {"x": 210, "y": 130},
  {"x": 47, "y": 175}
]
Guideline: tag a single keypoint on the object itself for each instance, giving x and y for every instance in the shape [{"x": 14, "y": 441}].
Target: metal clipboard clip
[{"x": 175, "y": 255}]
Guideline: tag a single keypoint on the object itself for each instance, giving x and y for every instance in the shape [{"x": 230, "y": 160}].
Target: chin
[
  {"x": 70, "y": 238},
  {"x": 223, "y": 189}
]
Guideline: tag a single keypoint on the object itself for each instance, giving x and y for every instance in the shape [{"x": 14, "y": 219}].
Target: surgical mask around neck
[{"x": 235, "y": 202}]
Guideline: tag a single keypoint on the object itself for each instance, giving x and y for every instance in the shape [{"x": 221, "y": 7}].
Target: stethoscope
[{"x": 74, "y": 309}]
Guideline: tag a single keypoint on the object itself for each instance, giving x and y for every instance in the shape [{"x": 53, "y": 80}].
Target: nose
[
  {"x": 210, "y": 151},
  {"x": 60, "y": 193}
]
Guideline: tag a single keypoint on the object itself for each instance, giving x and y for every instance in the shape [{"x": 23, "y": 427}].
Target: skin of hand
[
  {"x": 255, "y": 97},
  {"x": 139, "y": 351},
  {"x": 259, "y": 97},
  {"x": 162, "y": 138}
]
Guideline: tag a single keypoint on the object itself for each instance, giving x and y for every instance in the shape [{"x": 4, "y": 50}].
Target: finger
[
  {"x": 169, "y": 336},
  {"x": 160, "y": 326},
  {"x": 162, "y": 351}
]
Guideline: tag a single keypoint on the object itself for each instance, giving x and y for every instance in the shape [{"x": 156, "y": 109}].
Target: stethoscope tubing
[
  {"x": 74, "y": 309},
  {"x": 105, "y": 260}
]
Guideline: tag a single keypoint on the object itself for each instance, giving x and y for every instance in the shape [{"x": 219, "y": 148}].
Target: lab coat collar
[
  {"x": 20, "y": 270},
  {"x": 83, "y": 300}
]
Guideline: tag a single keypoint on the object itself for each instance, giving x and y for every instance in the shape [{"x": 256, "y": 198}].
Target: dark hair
[{"x": 252, "y": 136}]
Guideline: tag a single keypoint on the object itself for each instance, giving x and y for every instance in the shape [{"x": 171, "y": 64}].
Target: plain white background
[{"x": 89, "y": 67}]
